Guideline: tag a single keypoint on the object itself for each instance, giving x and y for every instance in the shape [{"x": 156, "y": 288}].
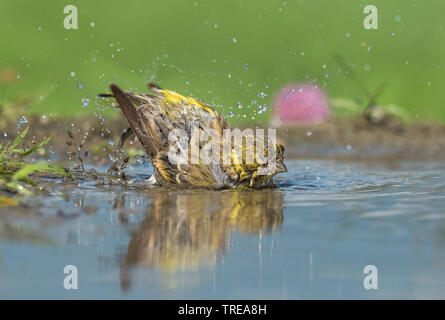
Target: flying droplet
[
  {"x": 262, "y": 95},
  {"x": 85, "y": 102}
]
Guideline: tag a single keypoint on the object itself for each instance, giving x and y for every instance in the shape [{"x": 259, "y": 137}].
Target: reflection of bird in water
[
  {"x": 183, "y": 231},
  {"x": 154, "y": 117}
]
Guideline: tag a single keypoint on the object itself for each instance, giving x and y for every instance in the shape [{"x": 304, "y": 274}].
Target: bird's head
[
  {"x": 272, "y": 163},
  {"x": 264, "y": 173},
  {"x": 279, "y": 160}
]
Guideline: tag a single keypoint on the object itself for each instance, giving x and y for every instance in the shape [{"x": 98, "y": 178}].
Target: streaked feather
[{"x": 153, "y": 116}]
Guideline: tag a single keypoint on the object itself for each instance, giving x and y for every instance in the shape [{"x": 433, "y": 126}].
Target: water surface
[{"x": 309, "y": 238}]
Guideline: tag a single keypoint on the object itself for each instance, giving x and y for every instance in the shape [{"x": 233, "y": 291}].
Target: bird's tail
[
  {"x": 131, "y": 114},
  {"x": 126, "y": 106}
]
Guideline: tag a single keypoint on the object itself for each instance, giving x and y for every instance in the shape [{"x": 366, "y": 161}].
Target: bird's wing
[
  {"x": 153, "y": 117},
  {"x": 186, "y": 109}
]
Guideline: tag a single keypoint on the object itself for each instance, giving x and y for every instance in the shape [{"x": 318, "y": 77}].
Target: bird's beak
[{"x": 280, "y": 167}]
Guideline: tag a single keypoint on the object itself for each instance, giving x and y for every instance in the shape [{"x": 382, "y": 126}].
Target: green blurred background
[{"x": 223, "y": 52}]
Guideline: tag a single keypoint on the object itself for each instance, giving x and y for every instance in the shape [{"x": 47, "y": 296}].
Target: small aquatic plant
[
  {"x": 77, "y": 151},
  {"x": 16, "y": 173}
]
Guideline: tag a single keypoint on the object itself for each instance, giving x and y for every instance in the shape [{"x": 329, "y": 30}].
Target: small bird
[{"x": 153, "y": 116}]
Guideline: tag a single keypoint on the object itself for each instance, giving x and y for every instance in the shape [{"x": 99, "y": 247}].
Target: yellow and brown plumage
[{"x": 153, "y": 116}]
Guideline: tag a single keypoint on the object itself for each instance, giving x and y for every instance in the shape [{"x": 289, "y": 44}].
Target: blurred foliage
[
  {"x": 227, "y": 53},
  {"x": 349, "y": 107}
]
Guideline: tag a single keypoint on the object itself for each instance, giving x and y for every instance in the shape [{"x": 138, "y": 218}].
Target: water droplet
[
  {"x": 79, "y": 85},
  {"x": 5, "y": 134},
  {"x": 72, "y": 74},
  {"x": 230, "y": 114},
  {"x": 262, "y": 95},
  {"x": 398, "y": 18},
  {"x": 348, "y": 147},
  {"x": 367, "y": 67},
  {"x": 229, "y": 75},
  {"x": 23, "y": 120},
  {"x": 92, "y": 24},
  {"x": 308, "y": 133},
  {"x": 85, "y": 102},
  {"x": 234, "y": 40}
]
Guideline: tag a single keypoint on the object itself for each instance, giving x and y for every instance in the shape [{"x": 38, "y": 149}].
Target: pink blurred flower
[{"x": 301, "y": 104}]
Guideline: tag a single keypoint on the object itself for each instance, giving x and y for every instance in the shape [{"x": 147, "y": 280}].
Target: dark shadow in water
[{"x": 187, "y": 230}]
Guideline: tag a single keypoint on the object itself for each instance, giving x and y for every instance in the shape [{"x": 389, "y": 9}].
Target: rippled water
[{"x": 309, "y": 238}]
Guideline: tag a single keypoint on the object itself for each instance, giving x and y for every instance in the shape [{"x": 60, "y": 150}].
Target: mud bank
[
  {"x": 359, "y": 140},
  {"x": 348, "y": 139}
]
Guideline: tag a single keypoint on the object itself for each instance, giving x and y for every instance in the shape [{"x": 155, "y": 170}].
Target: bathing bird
[{"x": 154, "y": 116}]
